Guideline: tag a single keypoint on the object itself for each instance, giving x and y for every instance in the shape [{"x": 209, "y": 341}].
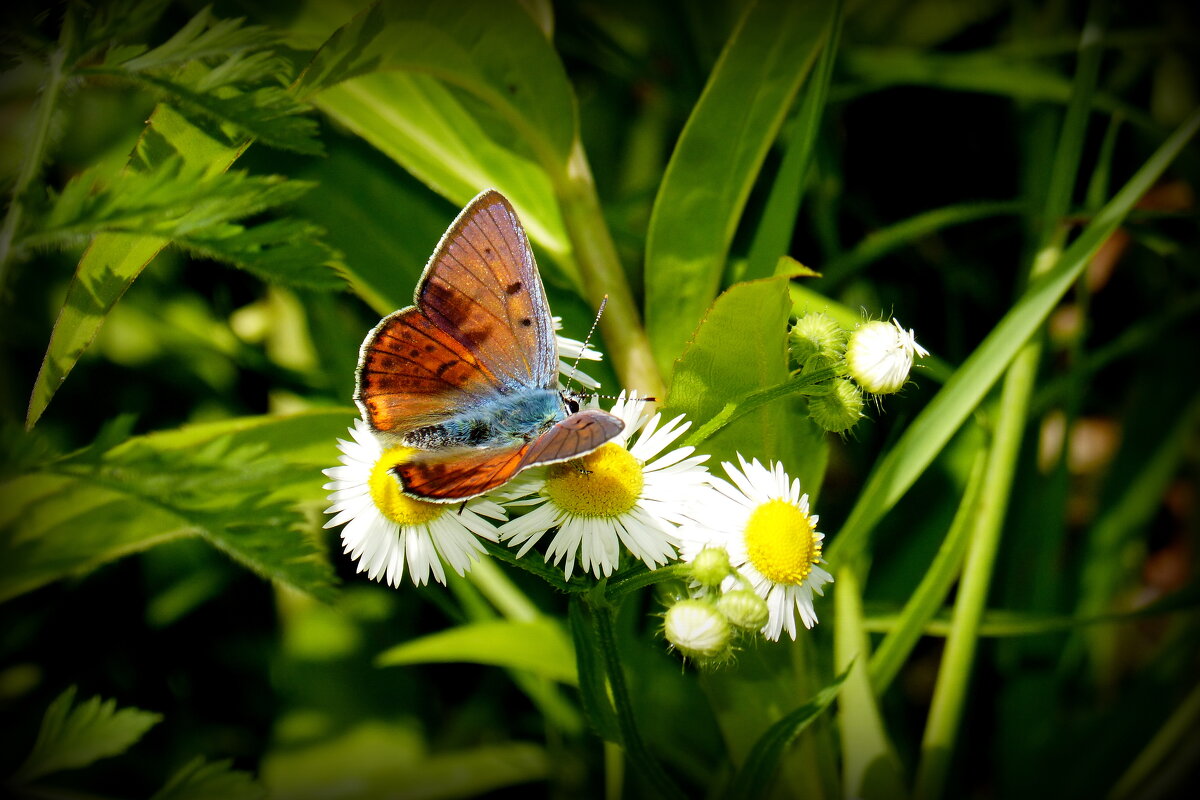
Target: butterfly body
[
  {"x": 521, "y": 416},
  {"x": 468, "y": 375}
]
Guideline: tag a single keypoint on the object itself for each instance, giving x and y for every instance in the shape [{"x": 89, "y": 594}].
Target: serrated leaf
[
  {"x": 231, "y": 482},
  {"x": 755, "y": 777},
  {"x": 540, "y": 646},
  {"x": 740, "y": 348},
  {"x": 717, "y": 158},
  {"x": 286, "y": 251},
  {"x": 74, "y": 736},
  {"x": 199, "y": 780},
  {"x": 202, "y": 38},
  {"x": 113, "y": 261}
]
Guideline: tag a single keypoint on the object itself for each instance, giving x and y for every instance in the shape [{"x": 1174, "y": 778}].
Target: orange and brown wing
[
  {"x": 412, "y": 373},
  {"x": 459, "y": 475},
  {"x": 577, "y": 435},
  {"x": 482, "y": 287}
]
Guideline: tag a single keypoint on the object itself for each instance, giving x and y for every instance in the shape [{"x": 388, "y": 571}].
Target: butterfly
[{"x": 468, "y": 374}]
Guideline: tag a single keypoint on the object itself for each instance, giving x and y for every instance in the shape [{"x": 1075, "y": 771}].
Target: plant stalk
[{"x": 602, "y": 275}]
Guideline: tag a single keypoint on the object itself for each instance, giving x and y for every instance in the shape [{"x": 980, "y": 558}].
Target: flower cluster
[
  {"x": 749, "y": 542},
  {"x": 875, "y": 358}
]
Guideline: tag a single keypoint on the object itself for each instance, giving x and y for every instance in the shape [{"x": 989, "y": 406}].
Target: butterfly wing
[
  {"x": 461, "y": 474},
  {"x": 482, "y": 286},
  {"x": 575, "y": 436},
  {"x": 481, "y": 327},
  {"x": 450, "y": 476}
]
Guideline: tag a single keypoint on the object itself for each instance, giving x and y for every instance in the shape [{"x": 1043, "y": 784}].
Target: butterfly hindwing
[
  {"x": 482, "y": 287},
  {"x": 459, "y": 475},
  {"x": 575, "y": 436}
]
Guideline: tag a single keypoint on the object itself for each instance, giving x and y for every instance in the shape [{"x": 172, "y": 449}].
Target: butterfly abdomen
[{"x": 518, "y": 417}]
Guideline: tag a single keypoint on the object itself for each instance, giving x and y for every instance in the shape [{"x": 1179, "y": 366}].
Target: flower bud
[
  {"x": 879, "y": 356},
  {"x": 745, "y": 609},
  {"x": 818, "y": 336},
  {"x": 839, "y": 410},
  {"x": 697, "y": 630},
  {"x": 711, "y": 566}
]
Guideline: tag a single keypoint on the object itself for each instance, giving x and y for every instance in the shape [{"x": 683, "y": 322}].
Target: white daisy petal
[{"x": 402, "y": 534}]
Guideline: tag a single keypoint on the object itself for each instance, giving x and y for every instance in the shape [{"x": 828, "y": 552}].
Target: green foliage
[
  {"x": 74, "y": 736},
  {"x": 1016, "y": 183}
]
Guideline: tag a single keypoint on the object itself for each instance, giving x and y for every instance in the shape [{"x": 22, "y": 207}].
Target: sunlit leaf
[
  {"x": 717, "y": 159},
  {"x": 74, "y": 736},
  {"x": 232, "y": 483},
  {"x": 739, "y": 348},
  {"x": 540, "y": 646},
  {"x": 199, "y": 780}
]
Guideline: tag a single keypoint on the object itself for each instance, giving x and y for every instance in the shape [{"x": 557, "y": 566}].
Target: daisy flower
[
  {"x": 632, "y": 492},
  {"x": 384, "y": 529},
  {"x": 763, "y": 522},
  {"x": 879, "y": 356},
  {"x": 570, "y": 351}
]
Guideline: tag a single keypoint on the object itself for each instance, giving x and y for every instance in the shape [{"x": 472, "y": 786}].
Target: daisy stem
[
  {"x": 549, "y": 574},
  {"x": 735, "y": 409},
  {"x": 635, "y": 579},
  {"x": 603, "y": 614}
]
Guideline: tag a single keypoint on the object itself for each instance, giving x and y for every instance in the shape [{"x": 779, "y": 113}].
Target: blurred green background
[{"x": 921, "y": 201}]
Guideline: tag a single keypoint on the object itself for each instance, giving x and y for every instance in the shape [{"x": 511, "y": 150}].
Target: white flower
[
  {"x": 570, "y": 351},
  {"x": 621, "y": 494},
  {"x": 879, "y": 356},
  {"x": 763, "y": 521},
  {"x": 384, "y": 529},
  {"x": 697, "y": 630}
]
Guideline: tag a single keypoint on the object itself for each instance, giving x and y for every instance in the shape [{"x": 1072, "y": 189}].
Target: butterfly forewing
[
  {"x": 412, "y": 373},
  {"x": 482, "y": 287}
]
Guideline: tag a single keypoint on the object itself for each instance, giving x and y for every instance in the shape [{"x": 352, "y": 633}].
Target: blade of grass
[
  {"x": 949, "y": 698},
  {"x": 929, "y": 432},
  {"x": 774, "y": 233}
]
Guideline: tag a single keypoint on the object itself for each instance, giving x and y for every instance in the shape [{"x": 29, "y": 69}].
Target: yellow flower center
[
  {"x": 780, "y": 542},
  {"x": 385, "y": 491},
  {"x": 606, "y": 483}
]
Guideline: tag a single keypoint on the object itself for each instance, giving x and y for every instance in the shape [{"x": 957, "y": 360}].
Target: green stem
[
  {"x": 955, "y": 672},
  {"x": 635, "y": 747},
  {"x": 622, "y": 585},
  {"x": 735, "y": 409},
  {"x": 38, "y": 145},
  {"x": 602, "y": 275}
]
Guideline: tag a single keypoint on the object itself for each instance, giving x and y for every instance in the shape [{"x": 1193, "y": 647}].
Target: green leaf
[
  {"x": 412, "y": 107},
  {"x": 286, "y": 251},
  {"x": 494, "y": 50},
  {"x": 773, "y": 236},
  {"x": 934, "y": 426},
  {"x": 74, "y": 736},
  {"x": 717, "y": 159},
  {"x": 199, "y": 780},
  {"x": 540, "y": 646},
  {"x": 740, "y": 348},
  {"x": 231, "y": 482},
  {"x": 389, "y": 761},
  {"x": 113, "y": 261},
  {"x": 757, "y": 774},
  {"x": 202, "y": 38}
]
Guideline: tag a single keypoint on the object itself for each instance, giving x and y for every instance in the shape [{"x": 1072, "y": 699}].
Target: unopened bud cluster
[
  {"x": 705, "y": 629},
  {"x": 874, "y": 359}
]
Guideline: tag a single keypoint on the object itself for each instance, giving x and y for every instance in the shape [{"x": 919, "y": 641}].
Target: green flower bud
[
  {"x": 816, "y": 336},
  {"x": 839, "y": 410},
  {"x": 711, "y": 566},
  {"x": 745, "y": 609}
]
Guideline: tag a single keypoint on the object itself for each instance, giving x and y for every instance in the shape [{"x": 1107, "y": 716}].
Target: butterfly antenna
[{"x": 587, "y": 339}]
